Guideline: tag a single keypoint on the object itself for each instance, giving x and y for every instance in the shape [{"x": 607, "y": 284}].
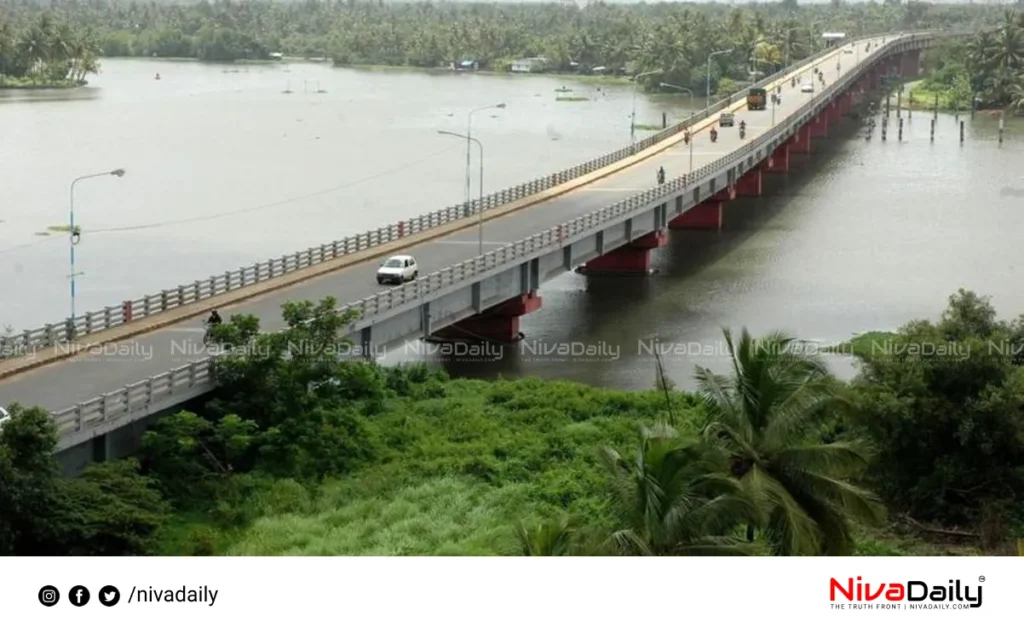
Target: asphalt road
[{"x": 63, "y": 384}]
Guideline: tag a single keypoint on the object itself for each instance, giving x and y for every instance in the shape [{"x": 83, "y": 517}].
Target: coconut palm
[
  {"x": 767, "y": 415},
  {"x": 552, "y": 538},
  {"x": 674, "y": 498}
]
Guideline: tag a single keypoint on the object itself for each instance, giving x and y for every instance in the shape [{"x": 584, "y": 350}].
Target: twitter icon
[{"x": 109, "y": 596}]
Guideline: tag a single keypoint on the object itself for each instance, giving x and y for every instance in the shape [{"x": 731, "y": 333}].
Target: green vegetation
[
  {"x": 624, "y": 39},
  {"x": 987, "y": 70},
  {"x": 302, "y": 453},
  {"x": 45, "y": 51}
]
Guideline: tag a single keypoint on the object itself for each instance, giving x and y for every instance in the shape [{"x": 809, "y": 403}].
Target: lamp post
[
  {"x": 707, "y": 99},
  {"x": 632, "y": 116},
  {"x": 667, "y": 85},
  {"x": 469, "y": 146},
  {"x": 480, "y": 216},
  {"x": 73, "y": 233}
]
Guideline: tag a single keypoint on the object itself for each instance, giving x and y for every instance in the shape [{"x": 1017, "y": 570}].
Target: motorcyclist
[
  {"x": 743, "y": 129},
  {"x": 661, "y": 175},
  {"x": 214, "y": 319},
  {"x": 714, "y": 135},
  {"x": 686, "y": 135}
]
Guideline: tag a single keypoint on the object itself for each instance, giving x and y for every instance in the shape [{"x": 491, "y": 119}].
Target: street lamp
[
  {"x": 632, "y": 116},
  {"x": 469, "y": 146},
  {"x": 74, "y": 234},
  {"x": 480, "y": 216},
  {"x": 667, "y": 85},
  {"x": 707, "y": 101}
]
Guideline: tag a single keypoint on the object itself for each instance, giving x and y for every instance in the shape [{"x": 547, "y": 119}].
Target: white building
[{"x": 529, "y": 65}]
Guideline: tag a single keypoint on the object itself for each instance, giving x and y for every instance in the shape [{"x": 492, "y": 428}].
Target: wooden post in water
[
  {"x": 1001, "y": 122},
  {"x": 932, "y": 133},
  {"x": 961, "y": 132},
  {"x": 664, "y": 120},
  {"x": 899, "y": 102},
  {"x": 899, "y": 132}
]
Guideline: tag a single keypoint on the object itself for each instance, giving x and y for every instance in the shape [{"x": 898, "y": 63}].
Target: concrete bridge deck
[{"x": 64, "y": 383}]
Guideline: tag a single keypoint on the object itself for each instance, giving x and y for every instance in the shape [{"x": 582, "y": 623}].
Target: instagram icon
[{"x": 49, "y": 596}]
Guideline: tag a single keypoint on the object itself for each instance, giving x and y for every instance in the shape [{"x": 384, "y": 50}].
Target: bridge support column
[
  {"x": 708, "y": 215},
  {"x": 844, "y": 103},
  {"x": 629, "y": 259},
  {"x": 801, "y": 141},
  {"x": 749, "y": 183},
  {"x": 779, "y": 161},
  {"x": 498, "y": 324},
  {"x": 818, "y": 128}
]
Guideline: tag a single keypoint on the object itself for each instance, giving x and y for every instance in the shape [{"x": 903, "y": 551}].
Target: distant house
[
  {"x": 276, "y": 57},
  {"x": 467, "y": 64},
  {"x": 530, "y": 65}
]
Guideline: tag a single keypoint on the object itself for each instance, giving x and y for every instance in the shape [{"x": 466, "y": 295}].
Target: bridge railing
[
  {"x": 68, "y": 330},
  {"x": 134, "y": 397}
]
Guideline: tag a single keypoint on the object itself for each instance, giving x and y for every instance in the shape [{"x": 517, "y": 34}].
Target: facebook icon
[{"x": 79, "y": 596}]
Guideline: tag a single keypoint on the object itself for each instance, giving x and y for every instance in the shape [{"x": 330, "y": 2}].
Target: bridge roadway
[{"x": 64, "y": 383}]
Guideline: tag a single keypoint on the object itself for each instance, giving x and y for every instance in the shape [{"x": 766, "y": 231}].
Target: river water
[{"x": 227, "y": 165}]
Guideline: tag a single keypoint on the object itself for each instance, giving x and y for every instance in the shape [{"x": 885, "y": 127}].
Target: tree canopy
[
  {"x": 623, "y": 38},
  {"x": 305, "y": 449}
]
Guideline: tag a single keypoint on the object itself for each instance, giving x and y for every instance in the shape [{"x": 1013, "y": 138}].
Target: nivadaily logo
[{"x": 911, "y": 594}]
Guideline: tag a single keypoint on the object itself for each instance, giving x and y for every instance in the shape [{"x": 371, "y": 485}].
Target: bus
[{"x": 757, "y": 99}]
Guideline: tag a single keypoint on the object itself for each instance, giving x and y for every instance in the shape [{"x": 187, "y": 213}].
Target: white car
[
  {"x": 807, "y": 88},
  {"x": 398, "y": 270},
  {"x": 4, "y": 416}
]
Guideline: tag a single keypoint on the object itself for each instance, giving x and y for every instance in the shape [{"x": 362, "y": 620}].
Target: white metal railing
[
  {"x": 122, "y": 402},
  {"x": 109, "y": 317}
]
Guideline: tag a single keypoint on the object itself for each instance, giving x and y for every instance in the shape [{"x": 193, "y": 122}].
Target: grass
[
  {"x": 920, "y": 98},
  {"x": 649, "y": 126},
  {"x": 572, "y": 98},
  {"x": 451, "y": 474},
  {"x": 29, "y": 83},
  {"x": 455, "y": 471},
  {"x": 61, "y": 228}
]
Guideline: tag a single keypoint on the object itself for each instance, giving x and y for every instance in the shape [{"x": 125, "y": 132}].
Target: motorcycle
[
  {"x": 661, "y": 176},
  {"x": 743, "y": 134},
  {"x": 714, "y": 136}
]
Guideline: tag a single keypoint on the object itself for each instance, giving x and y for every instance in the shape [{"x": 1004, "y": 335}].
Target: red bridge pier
[
  {"x": 633, "y": 258},
  {"x": 497, "y": 324}
]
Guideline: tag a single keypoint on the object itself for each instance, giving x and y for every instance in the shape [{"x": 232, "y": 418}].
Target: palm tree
[
  {"x": 674, "y": 498},
  {"x": 553, "y": 538},
  {"x": 768, "y": 416}
]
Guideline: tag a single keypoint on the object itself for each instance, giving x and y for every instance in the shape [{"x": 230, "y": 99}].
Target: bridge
[{"x": 105, "y": 374}]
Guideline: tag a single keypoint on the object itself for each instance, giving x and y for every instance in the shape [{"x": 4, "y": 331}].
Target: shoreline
[
  {"x": 591, "y": 79},
  {"x": 44, "y": 85}
]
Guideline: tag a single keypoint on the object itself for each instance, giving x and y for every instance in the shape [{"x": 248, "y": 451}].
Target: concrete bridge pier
[
  {"x": 800, "y": 143},
  {"x": 818, "y": 128},
  {"x": 708, "y": 215},
  {"x": 910, "y": 63},
  {"x": 778, "y": 162},
  {"x": 497, "y": 324},
  {"x": 750, "y": 184},
  {"x": 633, "y": 258}
]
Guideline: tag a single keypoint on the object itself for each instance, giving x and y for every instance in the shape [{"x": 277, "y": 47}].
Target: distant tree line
[
  {"x": 987, "y": 69},
  {"x": 621, "y": 38},
  {"x": 44, "y": 48}
]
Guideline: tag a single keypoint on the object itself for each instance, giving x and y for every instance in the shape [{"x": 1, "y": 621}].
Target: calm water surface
[{"x": 224, "y": 168}]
